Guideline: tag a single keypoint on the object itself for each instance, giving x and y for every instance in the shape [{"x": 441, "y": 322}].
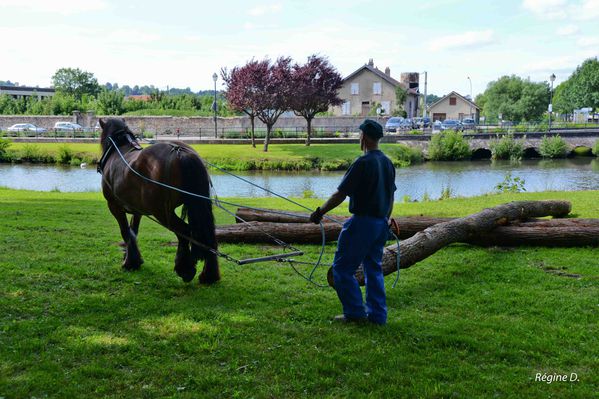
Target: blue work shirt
[{"x": 370, "y": 185}]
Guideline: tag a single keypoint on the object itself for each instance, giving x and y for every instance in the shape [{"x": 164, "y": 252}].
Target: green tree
[
  {"x": 581, "y": 89},
  {"x": 515, "y": 99},
  {"x": 401, "y": 95},
  {"x": 75, "y": 82},
  {"x": 110, "y": 102}
]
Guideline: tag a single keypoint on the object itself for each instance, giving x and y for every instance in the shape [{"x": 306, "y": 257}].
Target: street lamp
[
  {"x": 550, "y": 109},
  {"x": 215, "y": 78},
  {"x": 470, "y": 80}
]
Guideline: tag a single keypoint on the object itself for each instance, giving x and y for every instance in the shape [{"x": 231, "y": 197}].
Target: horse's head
[{"x": 116, "y": 129}]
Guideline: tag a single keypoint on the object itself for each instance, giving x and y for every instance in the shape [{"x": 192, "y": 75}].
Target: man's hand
[{"x": 316, "y": 216}]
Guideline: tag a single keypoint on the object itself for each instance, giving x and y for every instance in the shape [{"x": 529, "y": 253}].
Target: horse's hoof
[
  {"x": 187, "y": 275},
  {"x": 208, "y": 280},
  {"x": 131, "y": 266}
]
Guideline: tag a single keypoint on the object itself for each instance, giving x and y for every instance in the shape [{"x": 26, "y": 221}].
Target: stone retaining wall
[{"x": 193, "y": 126}]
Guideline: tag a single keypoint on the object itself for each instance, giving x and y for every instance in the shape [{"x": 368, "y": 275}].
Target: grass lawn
[
  {"x": 467, "y": 322},
  {"x": 230, "y": 156}
]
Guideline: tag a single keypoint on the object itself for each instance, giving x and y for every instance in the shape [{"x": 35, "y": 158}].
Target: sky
[{"x": 181, "y": 43}]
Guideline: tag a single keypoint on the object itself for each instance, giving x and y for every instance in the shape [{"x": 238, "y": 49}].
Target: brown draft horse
[{"x": 171, "y": 163}]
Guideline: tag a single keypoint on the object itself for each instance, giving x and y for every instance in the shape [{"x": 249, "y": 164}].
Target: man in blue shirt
[{"x": 370, "y": 185}]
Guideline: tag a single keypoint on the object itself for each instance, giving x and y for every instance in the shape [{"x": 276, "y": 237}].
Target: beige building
[
  {"x": 370, "y": 87},
  {"x": 454, "y": 106}
]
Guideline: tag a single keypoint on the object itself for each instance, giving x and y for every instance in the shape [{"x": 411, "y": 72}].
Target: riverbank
[
  {"x": 226, "y": 156},
  {"x": 466, "y": 322}
]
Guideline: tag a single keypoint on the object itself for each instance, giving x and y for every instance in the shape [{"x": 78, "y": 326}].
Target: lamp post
[
  {"x": 215, "y": 78},
  {"x": 550, "y": 109},
  {"x": 470, "y": 80}
]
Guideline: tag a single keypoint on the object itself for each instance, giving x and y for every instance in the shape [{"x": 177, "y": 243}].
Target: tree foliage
[
  {"x": 515, "y": 99},
  {"x": 75, "y": 82},
  {"x": 243, "y": 88},
  {"x": 316, "y": 85},
  {"x": 401, "y": 96},
  {"x": 580, "y": 90}
]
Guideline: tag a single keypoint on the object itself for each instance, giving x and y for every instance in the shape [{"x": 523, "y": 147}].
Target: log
[
  {"x": 425, "y": 243},
  {"x": 535, "y": 232}
]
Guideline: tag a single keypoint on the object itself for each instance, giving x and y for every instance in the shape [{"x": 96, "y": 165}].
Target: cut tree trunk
[
  {"x": 535, "y": 232},
  {"x": 425, "y": 243}
]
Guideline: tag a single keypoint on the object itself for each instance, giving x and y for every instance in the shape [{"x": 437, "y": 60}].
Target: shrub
[
  {"x": 596, "y": 148},
  {"x": 448, "y": 146},
  {"x": 64, "y": 155},
  {"x": 553, "y": 147},
  {"x": 4, "y": 144},
  {"x": 511, "y": 184},
  {"x": 33, "y": 153},
  {"x": 507, "y": 147},
  {"x": 402, "y": 155}
]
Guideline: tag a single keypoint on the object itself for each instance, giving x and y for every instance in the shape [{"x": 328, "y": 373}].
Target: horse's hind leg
[
  {"x": 133, "y": 259},
  {"x": 185, "y": 265}
]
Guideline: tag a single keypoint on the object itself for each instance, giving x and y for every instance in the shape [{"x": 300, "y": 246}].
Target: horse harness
[{"x": 118, "y": 138}]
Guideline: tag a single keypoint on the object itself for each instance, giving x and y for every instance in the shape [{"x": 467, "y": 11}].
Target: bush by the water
[
  {"x": 402, "y": 155},
  {"x": 64, "y": 154},
  {"x": 596, "y": 149},
  {"x": 449, "y": 146},
  {"x": 4, "y": 144},
  {"x": 553, "y": 147},
  {"x": 507, "y": 147}
]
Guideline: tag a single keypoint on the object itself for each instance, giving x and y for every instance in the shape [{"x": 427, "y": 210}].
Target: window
[
  {"x": 355, "y": 88},
  {"x": 376, "y": 88},
  {"x": 452, "y": 101},
  {"x": 345, "y": 108}
]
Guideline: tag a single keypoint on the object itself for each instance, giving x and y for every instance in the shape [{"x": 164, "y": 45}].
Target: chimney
[
  {"x": 387, "y": 71},
  {"x": 370, "y": 62}
]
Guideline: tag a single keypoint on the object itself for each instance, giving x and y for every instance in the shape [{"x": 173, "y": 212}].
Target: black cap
[{"x": 372, "y": 129}]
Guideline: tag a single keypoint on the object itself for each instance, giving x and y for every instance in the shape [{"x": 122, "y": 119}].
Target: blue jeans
[{"x": 361, "y": 241}]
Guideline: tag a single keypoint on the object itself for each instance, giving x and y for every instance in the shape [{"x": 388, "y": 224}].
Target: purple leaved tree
[
  {"x": 243, "y": 89},
  {"x": 316, "y": 85}
]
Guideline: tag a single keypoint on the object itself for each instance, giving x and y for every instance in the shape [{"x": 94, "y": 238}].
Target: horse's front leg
[{"x": 132, "y": 259}]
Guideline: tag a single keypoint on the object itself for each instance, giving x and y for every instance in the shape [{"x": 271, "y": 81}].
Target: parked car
[
  {"x": 67, "y": 127},
  {"x": 451, "y": 124},
  {"x": 420, "y": 122},
  {"x": 394, "y": 123},
  {"x": 26, "y": 127},
  {"x": 408, "y": 123},
  {"x": 468, "y": 123}
]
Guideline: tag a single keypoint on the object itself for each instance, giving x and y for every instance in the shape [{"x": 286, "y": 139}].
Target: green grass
[
  {"x": 244, "y": 157},
  {"x": 467, "y": 322}
]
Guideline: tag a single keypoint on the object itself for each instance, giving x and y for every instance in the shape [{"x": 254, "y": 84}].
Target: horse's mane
[{"x": 113, "y": 128}]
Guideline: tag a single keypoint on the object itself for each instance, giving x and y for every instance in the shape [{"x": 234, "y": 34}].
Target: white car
[
  {"x": 26, "y": 127},
  {"x": 67, "y": 127}
]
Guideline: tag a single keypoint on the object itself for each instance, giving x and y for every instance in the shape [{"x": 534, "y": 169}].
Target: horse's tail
[{"x": 195, "y": 180}]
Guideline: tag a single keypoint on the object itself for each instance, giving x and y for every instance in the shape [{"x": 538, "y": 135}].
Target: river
[{"x": 428, "y": 179}]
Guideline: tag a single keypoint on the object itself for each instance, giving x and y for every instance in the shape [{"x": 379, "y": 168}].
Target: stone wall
[{"x": 193, "y": 125}]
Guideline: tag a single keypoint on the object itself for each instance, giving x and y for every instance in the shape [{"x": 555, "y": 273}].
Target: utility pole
[
  {"x": 425, "y": 83},
  {"x": 471, "y": 99}
]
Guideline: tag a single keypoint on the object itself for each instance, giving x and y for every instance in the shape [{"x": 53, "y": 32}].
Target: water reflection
[{"x": 415, "y": 182}]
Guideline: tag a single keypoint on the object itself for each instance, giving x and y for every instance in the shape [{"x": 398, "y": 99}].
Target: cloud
[
  {"x": 463, "y": 40},
  {"x": 567, "y": 30},
  {"x": 588, "y": 41},
  {"x": 589, "y": 9},
  {"x": 563, "y": 9},
  {"x": 547, "y": 9},
  {"x": 63, "y": 7},
  {"x": 259, "y": 11}
]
